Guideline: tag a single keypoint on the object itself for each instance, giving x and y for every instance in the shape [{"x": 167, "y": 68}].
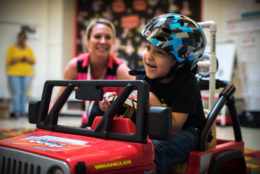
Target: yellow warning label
[
  {"x": 113, "y": 164},
  {"x": 164, "y": 104}
]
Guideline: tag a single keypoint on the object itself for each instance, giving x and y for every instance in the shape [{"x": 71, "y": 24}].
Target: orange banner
[
  {"x": 118, "y": 6},
  {"x": 130, "y": 21},
  {"x": 140, "y": 5}
]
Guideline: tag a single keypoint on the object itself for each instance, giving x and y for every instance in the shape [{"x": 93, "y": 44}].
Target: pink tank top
[{"x": 112, "y": 65}]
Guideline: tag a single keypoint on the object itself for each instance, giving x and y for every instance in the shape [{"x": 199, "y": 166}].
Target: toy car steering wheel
[{"x": 128, "y": 109}]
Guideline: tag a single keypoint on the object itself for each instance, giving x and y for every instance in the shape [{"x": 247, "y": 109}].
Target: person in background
[
  {"x": 19, "y": 68},
  {"x": 98, "y": 63},
  {"x": 174, "y": 45}
]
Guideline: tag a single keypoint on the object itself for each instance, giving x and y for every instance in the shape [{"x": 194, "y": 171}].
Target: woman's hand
[
  {"x": 14, "y": 61},
  {"x": 105, "y": 103},
  {"x": 26, "y": 60}
]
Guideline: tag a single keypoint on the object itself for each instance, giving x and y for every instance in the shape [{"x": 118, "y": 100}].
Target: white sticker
[{"x": 48, "y": 138}]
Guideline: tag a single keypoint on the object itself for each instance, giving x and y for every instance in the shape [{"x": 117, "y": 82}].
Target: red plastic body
[
  {"x": 100, "y": 155},
  {"x": 197, "y": 165},
  {"x": 111, "y": 156}
]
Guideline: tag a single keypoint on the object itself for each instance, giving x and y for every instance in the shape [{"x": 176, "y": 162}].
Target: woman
[
  {"x": 19, "y": 67},
  {"x": 98, "y": 63}
]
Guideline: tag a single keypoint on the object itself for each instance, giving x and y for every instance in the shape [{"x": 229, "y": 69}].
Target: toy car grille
[{"x": 16, "y": 162}]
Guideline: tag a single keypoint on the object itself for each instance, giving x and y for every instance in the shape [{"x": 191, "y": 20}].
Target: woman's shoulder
[
  {"x": 27, "y": 47},
  {"x": 82, "y": 56},
  {"x": 13, "y": 46}
]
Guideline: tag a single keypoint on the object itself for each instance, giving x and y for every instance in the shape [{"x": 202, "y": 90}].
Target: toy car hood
[{"x": 98, "y": 154}]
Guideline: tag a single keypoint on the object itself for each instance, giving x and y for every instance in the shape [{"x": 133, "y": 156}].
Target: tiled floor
[{"x": 250, "y": 135}]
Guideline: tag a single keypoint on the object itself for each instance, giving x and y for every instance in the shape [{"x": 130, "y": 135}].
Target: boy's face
[{"x": 157, "y": 62}]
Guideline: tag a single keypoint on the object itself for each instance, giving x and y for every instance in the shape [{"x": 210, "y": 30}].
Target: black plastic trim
[
  {"x": 49, "y": 120},
  {"x": 225, "y": 97}
]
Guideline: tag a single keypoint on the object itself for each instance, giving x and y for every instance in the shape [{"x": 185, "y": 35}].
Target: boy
[{"x": 174, "y": 45}]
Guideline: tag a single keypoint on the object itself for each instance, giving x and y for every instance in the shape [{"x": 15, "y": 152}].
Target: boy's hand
[{"x": 105, "y": 103}]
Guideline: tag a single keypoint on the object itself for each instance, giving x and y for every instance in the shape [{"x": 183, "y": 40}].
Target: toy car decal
[
  {"x": 113, "y": 164},
  {"x": 204, "y": 162},
  {"x": 51, "y": 143},
  {"x": 57, "y": 139}
]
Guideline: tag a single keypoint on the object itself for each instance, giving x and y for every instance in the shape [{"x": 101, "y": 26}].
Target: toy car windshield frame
[{"x": 48, "y": 120}]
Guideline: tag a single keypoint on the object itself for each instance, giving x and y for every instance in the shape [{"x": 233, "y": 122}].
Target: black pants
[{"x": 95, "y": 111}]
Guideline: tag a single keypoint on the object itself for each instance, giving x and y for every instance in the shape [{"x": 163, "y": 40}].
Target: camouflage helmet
[{"x": 178, "y": 35}]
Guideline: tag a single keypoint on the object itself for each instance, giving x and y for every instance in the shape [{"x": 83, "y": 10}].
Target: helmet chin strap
[{"x": 170, "y": 73}]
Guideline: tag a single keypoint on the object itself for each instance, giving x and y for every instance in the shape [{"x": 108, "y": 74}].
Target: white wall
[
  {"x": 224, "y": 11},
  {"x": 54, "y": 46},
  {"x": 245, "y": 34},
  {"x": 68, "y": 31}
]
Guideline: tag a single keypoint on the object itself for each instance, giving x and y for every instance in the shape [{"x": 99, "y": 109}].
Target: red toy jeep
[{"x": 113, "y": 144}]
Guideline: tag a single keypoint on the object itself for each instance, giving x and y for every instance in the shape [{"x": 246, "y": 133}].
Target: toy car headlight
[{"x": 55, "y": 170}]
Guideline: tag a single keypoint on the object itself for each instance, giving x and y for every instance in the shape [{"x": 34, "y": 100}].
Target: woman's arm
[
  {"x": 14, "y": 61},
  {"x": 70, "y": 72},
  {"x": 9, "y": 56},
  {"x": 123, "y": 73},
  {"x": 29, "y": 58}
]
